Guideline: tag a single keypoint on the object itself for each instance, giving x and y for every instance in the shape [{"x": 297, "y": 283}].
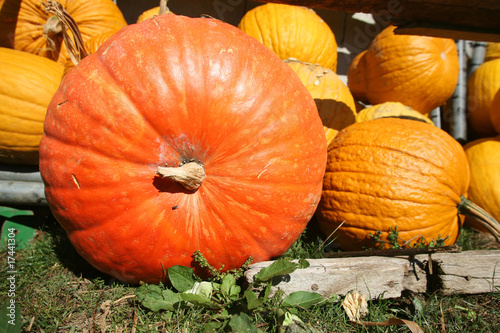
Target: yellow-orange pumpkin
[
  {"x": 484, "y": 159},
  {"x": 334, "y": 101},
  {"x": 150, "y": 13},
  {"x": 392, "y": 172},
  {"x": 28, "y": 84},
  {"x": 356, "y": 80},
  {"x": 482, "y": 86},
  {"x": 492, "y": 51},
  {"x": 91, "y": 45},
  {"x": 418, "y": 71},
  {"x": 390, "y": 109},
  {"x": 495, "y": 112},
  {"x": 26, "y": 26},
  {"x": 292, "y": 32}
]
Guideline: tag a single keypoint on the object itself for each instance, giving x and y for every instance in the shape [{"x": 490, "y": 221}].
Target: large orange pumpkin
[
  {"x": 418, "y": 71},
  {"x": 292, "y": 32},
  {"x": 25, "y": 25},
  {"x": 28, "y": 84},
  {"x": 209, "y": 142},
  {"x": 394, "y": 173},
  {"x": 333, "y": 99}
]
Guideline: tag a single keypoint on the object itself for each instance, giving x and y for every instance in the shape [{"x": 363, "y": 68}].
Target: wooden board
[
  {"x": 457, "y": 19},
  {"x": 377, "y": 277}
]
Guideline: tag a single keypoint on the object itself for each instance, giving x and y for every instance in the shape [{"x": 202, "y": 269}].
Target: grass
[{"x": 57, "y": 291}]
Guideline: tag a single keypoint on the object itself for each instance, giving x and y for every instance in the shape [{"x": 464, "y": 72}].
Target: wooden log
[
  {"x": 470, "y": 272},
  {"x": 21, "y": 184},
  {"x": 380, "y": 277}
]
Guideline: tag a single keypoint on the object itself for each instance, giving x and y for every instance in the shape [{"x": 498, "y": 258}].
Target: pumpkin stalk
[
  {"x": 468, "y": 208},
  {"x": 190, "y": 175},
  {"x": 52, "y": 30},
  {"x": 76, "y": 48},
  {"x": 163, "y": 7}
]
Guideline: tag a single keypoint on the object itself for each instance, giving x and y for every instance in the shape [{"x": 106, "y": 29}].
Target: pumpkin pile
[{"x": 229, "y": 140}]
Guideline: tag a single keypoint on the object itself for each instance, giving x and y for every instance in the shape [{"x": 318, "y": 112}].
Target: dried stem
[
  {"x": 76, "y": 48},
  {"x": 163, "y": 7},
  {"x": 190, "y": 175},
  {"x": 470, "y": 209}
]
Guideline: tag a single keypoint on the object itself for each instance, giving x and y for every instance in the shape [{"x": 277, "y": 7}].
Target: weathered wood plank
[
  {"x": 390, "y": 277},
  {"x": 469, "y": 272}
]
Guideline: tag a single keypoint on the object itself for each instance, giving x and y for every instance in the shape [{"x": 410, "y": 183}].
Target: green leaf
[
  {"x": 303, "y": 263},
  {"x": 304, "y": 299},
  {"x": 19, "y": 227},
  {"x": 10, "y": 320},
  {"x": 181, "y": 277},
  {"x": 155, "y": 298},
  {"x": 241, "y": 323},
  {"x": 253, "y": 302},
  {"x": 277, "y": 268},
  {"x": 227, "y": 282},
  {"x": 198, "y": 300},
  {"x": 203, "y": 289}
]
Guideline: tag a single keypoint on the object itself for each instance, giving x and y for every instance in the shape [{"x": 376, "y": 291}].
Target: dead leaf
[{"x": 355, "y": 305}]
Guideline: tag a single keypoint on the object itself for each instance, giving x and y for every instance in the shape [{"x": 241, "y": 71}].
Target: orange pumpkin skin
[
  {"x": 418, "y": 71},
  {"x": 210, "y": 94},
  {"x": 356, "y": 80},
  {"x": 292, "y": 32},
  {"x": 482, "y": 85},
  {"x": 390, "y": 109},
  {"x": 28, "y": 83},
  {"x": 492, "y": 51},
  {"x": 22, "y": 24},
  {"x": 495, "y": 112},
  {"x": 484, "y": 160},
  {"x": 390, "y": 172},
  {"x": 333, "y": 99}
]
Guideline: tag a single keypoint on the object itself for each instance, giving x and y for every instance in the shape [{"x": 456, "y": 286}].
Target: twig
[{"x": 393, "y": 252}]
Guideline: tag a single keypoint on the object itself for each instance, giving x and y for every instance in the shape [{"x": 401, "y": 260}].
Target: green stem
[{"x": 470, "y": 209}]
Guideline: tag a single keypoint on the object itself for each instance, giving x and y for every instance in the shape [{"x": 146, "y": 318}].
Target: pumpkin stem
[
  {"x": 163, "y": 7},
  {"x": 190, "y": 175},
  {"x": 52, "y": 30},
  {"x": 75, "y": 49},
  {"x": 470, "y": 209}
]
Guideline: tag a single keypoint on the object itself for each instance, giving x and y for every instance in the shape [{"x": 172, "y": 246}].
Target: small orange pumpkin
[
  {"x": 292, "y": 32},
  {"x": 334, "y": 101},
  {"x": 28, "y": 84},
  {"x": 390, "y": 109},
  {"x": 495, "y": 112},
  {"x": 418, "y": 71},
  {"x": 482, "y": 85},
  {"x": 356, "y": 80},
  {"x": 484, "y": 159},
  {"x": 25, "y": 25},
  {"x": 492, "y": 51}
]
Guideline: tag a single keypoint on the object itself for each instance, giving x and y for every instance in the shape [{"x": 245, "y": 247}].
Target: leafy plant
[
  {"x": 394, "y": 241},
  {"x": 231, "y": 305}
]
